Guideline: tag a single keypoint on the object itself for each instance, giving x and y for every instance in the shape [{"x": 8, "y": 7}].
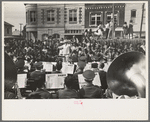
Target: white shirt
[
  {"x": 107, "y": 25},
  {"x": 65, "y": 49}
]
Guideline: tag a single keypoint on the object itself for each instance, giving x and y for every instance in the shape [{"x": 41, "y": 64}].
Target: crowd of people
[{"x": 88, "y": 49}]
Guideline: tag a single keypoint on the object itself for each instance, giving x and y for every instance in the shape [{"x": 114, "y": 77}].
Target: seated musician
[
  {"x": 103, "y": 78},
  {"x": 40, "y": 92},
  {"x": 69, "y": 91},
  {"x": 38, "y": 66},
  {"x": 38, "y": 71},
  {"x": 90, "y": 91}
]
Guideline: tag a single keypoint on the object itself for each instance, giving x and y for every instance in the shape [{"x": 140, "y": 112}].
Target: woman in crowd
[
  {"x": 130, "y": 29},
  {"x": 125, "y": 29}
]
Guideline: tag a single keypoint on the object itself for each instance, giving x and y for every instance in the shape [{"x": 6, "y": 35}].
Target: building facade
[
  {"x": 96, "y": 13},
  {"x": 44, "y": 20},
  {"x": 66, "y": 20},
  {"x": 134, "y": 12},
  {"x": 7, "y": 29}
]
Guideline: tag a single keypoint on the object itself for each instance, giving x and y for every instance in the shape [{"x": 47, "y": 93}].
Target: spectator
[
  {"x": 107, "y": 26},
  {"x": 125, "y": 29},
  {"x": 130, "y": 29}
]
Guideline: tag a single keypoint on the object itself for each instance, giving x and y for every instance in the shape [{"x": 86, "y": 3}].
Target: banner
[
  {"x": 48, "y": 66},
  {"x": 21, "y": 80},
  {"x": 55, "y": 81},
  {"x": 96, "y": 80}
]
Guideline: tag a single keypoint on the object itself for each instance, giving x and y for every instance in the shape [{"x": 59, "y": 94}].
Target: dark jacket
[
  {"x": 91, "y": 91},
  {"x": 40, "y": 94},
  {"x": 67, "y": 94},
  {"x": 102, "y": 75}
]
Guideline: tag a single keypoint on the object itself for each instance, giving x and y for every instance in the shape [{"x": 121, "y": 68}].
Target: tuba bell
[
  {"x": 127, "y": 75},
  {"x": 10, "y": 77}
]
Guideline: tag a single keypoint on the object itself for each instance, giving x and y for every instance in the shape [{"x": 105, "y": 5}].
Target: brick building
[
  {"x": 65, "y": 20},
  {"x": 96, "y": 13}
]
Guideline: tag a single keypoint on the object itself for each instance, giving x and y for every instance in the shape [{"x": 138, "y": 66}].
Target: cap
[
  {"x": 82, "y": 58},
  {"x": 88, "y": 74},
  {"x": 81, "y": 64},
  {"x": 38, "y": 64}
]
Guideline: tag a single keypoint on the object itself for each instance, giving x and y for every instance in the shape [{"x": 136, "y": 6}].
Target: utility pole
[
  {"x": 20, "y": 28},
  {"x": 142, "y": 19},
  {"x": 113, "y": 28}
]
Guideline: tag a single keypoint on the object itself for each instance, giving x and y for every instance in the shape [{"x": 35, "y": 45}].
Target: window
[
  {"x": 133, "y": 15},
  {"x": 32, "y": 16},
  {"x": 109, "y": 16},
  {"x": 50, "y": 15},
  {"x": 95, "y": 19},
  {"x": 7, "y": 30},
  {"x": 73, "y": 16}
]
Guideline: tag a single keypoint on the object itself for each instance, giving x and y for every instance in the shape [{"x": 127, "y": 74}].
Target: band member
[
  {"x": 39, "y": 82},
  {"x": 90, "y": 90},
  {"x": 69, "y": 91},
  {"x": 65, "y": 50}
]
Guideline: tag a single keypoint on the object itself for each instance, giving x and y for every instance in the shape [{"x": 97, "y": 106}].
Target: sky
[{"x": 14, "y": 13}]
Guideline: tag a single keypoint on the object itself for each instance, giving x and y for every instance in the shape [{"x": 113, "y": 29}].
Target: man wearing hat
[{"x": 90, "y": 90}]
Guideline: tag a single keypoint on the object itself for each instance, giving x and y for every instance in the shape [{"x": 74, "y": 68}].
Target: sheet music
[
  {"x": 48, "y": 66},
  {"x": 21, "y": 80},
  {"x": 55, "y": 81},
  {"x": 68, "y": 68}
]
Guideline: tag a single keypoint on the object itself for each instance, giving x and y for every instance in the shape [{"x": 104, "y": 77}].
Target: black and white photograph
[{"x": 64, "y": 60}]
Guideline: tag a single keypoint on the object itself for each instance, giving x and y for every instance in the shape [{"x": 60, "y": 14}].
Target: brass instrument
[
  {"x": 127, "y": 75},
  {"x": 11, "y": 76}
]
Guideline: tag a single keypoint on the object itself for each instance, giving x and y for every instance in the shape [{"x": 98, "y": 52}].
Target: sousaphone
[
  {"x": 10, "y": 73},
  {"x": 127, "y": 75}
]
